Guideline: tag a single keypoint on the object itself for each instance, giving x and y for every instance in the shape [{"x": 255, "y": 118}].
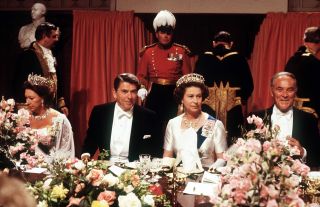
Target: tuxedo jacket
[
  {"x": 145, "y": 135},
  {"x": 304, "y": 129}
]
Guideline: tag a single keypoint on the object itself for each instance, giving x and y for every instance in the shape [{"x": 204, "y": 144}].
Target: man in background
[
  {"x": 305, "y": 65},
  {"x": 161, "y": 65},
  {"x": 221, "y": 65},
  {"x": 38, "y": 59}
]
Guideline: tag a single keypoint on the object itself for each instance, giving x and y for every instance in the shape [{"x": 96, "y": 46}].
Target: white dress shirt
[
  {"x": 120, "y": 133},
  {"x": 47, "y": 54},
  {"x": 285, "y": 122}
]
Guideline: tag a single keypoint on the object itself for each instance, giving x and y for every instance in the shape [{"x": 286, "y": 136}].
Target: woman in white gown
[
  {"x": 194, "y": 137},
  {"x": 52, "y": 127}
]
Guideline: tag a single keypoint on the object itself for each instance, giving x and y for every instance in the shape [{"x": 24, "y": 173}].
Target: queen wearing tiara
[
  {"x": 196, "y": 139},
  {"x": 55, "y": 136}
]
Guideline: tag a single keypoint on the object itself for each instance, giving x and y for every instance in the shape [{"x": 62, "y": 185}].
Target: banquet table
[
  {"x": 176, "y": 195},
  {"x": 174, "y": 190}
]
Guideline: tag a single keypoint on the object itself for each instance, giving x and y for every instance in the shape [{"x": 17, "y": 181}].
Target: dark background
[{"x": 193, "y": 30}]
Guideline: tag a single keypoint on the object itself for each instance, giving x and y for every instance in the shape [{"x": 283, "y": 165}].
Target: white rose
[
  {"x": 79, "y": 165},
  {"x": 128, "y": 188},
  {"x": 110, "y": 180},
  {"x": 46, "y": 184},
  {"x": 42, "y": 204},
  {"x": 10, "y": 102},
  {"x": 130, "y": 200},
  {"x": 148, "y": 199}
]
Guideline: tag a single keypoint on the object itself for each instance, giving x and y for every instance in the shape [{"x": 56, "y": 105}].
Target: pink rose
[
  {"x": 253, "y": 145},
  {"x": 300, "y": 168},
  {"x": 95, "y": 176},
  {"x": 135, "y": 180},
  {"x": 272, "y": 191},
  {"x": 266, "y": 146},
  {"x": 239, "y": 196},
  {"x": 285, "y": 170},
  {"x": 264, "y": 191},
  {"x": 108, "y": 196},
  {"x": 272, "y": 203},
  {"x": 293, "y": 181}
]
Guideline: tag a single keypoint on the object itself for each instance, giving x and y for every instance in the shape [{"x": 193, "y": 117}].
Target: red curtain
[
  {"x": 279, "y": 37},
  {"x": 104, "y": 45}
]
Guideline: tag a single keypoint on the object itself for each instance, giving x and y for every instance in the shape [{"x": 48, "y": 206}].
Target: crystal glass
[
  {"x": 144, "y": 165},
  {"x": 155, "y": 167}
]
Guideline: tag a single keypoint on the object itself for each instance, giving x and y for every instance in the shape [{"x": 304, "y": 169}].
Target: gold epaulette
[
  {"x": 184, "y": 47},
  {"x": 208, "y": 53},
  {"x": 306, "y": 54},
  {"x": 145, "y": 48},
  {"x": 226, "y": 55}
]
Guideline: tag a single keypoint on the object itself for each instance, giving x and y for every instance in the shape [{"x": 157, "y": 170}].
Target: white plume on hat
[{"x": 163, "y": 18}]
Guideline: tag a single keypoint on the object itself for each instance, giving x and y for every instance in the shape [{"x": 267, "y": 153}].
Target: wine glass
[
  {"x": 155, "y": 167},
  {"x": 144, "y": 165}
]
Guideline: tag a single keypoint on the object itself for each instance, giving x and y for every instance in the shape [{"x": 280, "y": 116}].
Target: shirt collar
[
  {"x": 279, "y": 113},
  {"x": 45, "y": 50},
  {"x": 120, "y": 112}
]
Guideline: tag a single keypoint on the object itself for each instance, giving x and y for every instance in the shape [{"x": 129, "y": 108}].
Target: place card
[
  {"x": 210, "y": 178},
  {"x": 36, "y": 170},
  {"x": 116, "y": 170},
  {"x": 207, "y": 189}
]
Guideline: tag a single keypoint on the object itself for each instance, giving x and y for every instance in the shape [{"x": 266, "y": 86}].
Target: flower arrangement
[
  {"x": 87, "y": 183},
  {"x": 17, "y": 141},
  {"x": 261, "y": 171}
]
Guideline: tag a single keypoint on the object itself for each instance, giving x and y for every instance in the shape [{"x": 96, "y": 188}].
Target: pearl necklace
[
  {"x": 41, "y": 117},
  {"x": 193, "y": 123}
]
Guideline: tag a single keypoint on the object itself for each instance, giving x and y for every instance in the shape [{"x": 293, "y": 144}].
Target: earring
[
  {"x": 42, "y": 103},
  {"x": 180, "y": 109}
]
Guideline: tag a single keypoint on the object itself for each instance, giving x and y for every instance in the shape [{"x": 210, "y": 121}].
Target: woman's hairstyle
[
  {"x": 41, "y": 86},
  {"x": 189, "y": 80}
]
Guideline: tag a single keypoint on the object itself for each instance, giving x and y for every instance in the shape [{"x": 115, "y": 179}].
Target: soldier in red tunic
[{"x": 161, "y": 65}]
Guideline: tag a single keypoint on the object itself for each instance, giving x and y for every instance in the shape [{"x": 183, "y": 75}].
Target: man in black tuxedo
[
  {"x": 298, "y": 127},
  {"x": 123, "y": 127}
]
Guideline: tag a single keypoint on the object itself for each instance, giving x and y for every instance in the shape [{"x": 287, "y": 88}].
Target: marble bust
[{"x": 26, "y": 33}]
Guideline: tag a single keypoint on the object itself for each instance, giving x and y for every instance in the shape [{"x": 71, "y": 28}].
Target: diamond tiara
[
  {"x": 40, "y": 81},
  {"x": 191, "y": 77}
]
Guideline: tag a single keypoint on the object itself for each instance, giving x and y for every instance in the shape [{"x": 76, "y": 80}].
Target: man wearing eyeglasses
[
  {"x": 161, "y": 65},
  {"x": 38, "y": 59}
]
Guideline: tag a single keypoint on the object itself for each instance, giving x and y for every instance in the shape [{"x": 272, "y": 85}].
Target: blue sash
[{"x": 201, "y": 138}]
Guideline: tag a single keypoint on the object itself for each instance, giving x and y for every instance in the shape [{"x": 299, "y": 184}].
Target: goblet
[
  {"x": 155, "y": 167},
  {"x": 144, "y": 165}
]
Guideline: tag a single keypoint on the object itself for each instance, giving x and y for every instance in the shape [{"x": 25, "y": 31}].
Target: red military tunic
[{"x": 165, "y": 64}]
